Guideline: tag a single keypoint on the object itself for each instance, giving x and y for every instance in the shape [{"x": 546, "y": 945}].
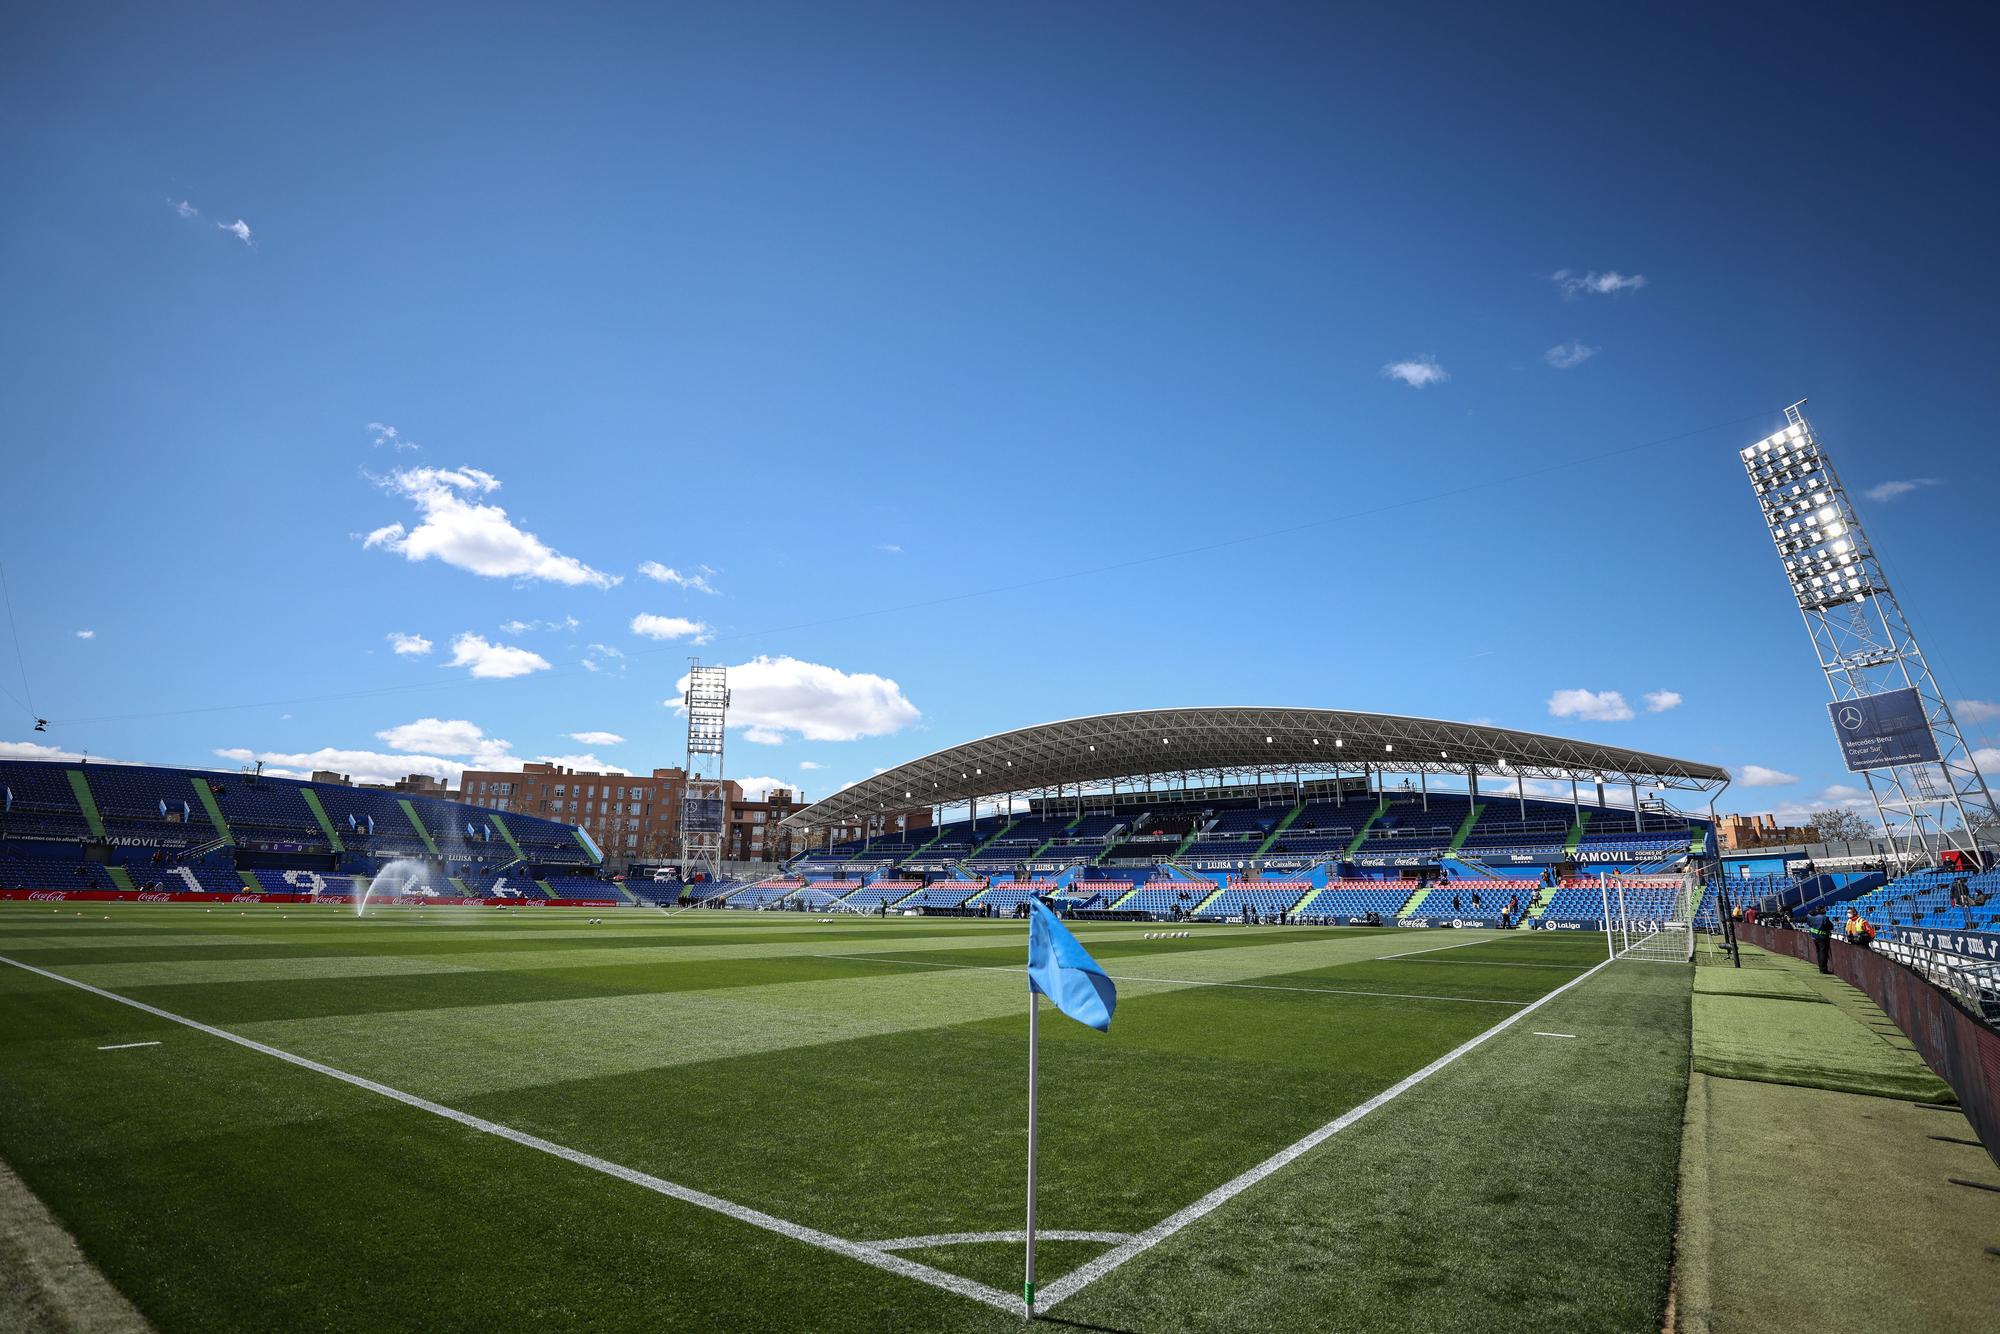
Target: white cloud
[
  {"x": 1609, "y": 283},
  {"x": 460, "y": 531},
  {"x": 238, "y": 229},
  {"x": 756, "y": 789},
  {"x": 666, "y": 574},
  {"x": 86, "y": 634},
  {"x": 1756, "y": 775},
  {"x": 893, "y": 548},
  {"x": 1987, "y": 760},
  {"x": 1417, "y": 372},
  {"x": 815, "y": 764},
  {"x": 1564, "y": 356},
  {"x": 1893, "y": 489},
  {"x": 1837, "y": 797},
  {"x": 30, "y": 750},
  {"x": 364, "y": 766},
  {"x": 185, "y": 209},
  {"x": 494, "y": 661},
  {"x": 669, "y": 627},
  {"x": 454, "y": 736},
  {"x": 412, "y": 646},
  {"x": 764, "y": 736},
  {"x": 1659, "y": 701},
  {"x": 389, "y": 435},
  {"x": 600, "y": 657},
  {"x": 584, "y": 763},
  {"x": 820, "y": 703},
  {"x": 1597, "y": 706},
  {"x": 517, "y": 626},
  {"x": 1975, "y": 710},
  {"x": 597, "y": 738}
]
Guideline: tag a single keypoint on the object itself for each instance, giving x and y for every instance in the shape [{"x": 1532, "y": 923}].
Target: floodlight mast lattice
[
  {"x": 1864, "y": 642},
  {"x": 704, "y": 802}
]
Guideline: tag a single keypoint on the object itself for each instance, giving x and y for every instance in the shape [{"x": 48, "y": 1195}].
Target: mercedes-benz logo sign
[{"x": 1850, "y": 717}]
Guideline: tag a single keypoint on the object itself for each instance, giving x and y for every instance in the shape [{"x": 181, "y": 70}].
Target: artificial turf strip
[
  {"x": 1807, "y": 1211},
  {"x": 224, "y": 1189},
  {"x": 1768, "y": 1035},
  {"x": 1530, "y": 1186}
]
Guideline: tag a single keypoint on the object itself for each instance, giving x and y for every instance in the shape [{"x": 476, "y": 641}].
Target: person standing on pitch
[{"x": 1822, "y": 930}]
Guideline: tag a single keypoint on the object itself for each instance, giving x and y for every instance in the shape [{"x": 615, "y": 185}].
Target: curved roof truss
[{"x": 1237, "y": 743}]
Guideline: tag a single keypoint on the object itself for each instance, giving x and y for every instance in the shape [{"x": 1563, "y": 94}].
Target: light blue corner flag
[{"x": 1060, "y": 969}]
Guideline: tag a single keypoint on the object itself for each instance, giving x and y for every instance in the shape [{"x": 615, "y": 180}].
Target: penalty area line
[
  {"x": 1082, "y": 1277},
  {"x": 826, "y": 1241}
]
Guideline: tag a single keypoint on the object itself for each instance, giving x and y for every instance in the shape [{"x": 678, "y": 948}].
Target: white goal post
[{"x": 1630, "y": 933}]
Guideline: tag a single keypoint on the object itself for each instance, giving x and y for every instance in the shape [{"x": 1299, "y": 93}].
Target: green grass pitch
[{"x": 861, "y": 1079}]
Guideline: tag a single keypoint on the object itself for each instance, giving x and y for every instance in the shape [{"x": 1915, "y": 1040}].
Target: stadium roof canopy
[{"x": 1238, "y": 743}]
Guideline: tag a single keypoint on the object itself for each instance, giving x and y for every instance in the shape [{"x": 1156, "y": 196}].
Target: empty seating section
[
  {"x": 1213, "y": 845},
  {"x": 1004, "y": 899},
  {"x": 1264, "y": 897},
  {"x": 45, "y": 875},
  {"x": 1162, "y": 898},
  {"x": 765, "y": 892},
  {"x": 943, "y": 894},
  {"x": 1037, "y": 829},
  {"x": 130, "y": 800},
  {"x": 1649, "y": 846},
  {"x": 268, "y": 809},
  {"x": 881, "y": 892},
  {"x": 194, "y": 878},
  {"x": 583, "y": 887},
  {"x": 1631, "y": 900},
  {"x": 1358, "y": 898},
  {"x": 1477, "y": 898}
]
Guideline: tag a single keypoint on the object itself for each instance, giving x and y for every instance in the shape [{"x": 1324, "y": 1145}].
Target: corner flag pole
[{"x": 1034, "y": 1051}]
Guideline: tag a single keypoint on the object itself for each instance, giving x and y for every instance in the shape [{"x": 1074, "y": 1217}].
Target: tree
[{"x": 1841, "y": 826}]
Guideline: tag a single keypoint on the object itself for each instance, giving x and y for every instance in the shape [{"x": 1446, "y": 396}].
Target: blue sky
[{"x": 915, "y": 341}]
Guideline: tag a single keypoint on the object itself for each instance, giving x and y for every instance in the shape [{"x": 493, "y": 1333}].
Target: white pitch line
[
  {"x": 1185, "y": 982},
  {"x": 125, "y": 1046},
  {"x": 1077, "y": 1279},
  {"x": 1540, "y": 1034},
  {"x": 967, "y": 1238},
  {"x": 1433, "y": 949},
  {"x": 826, "y": 1241},
  {"x": 1493, "y": 963}
]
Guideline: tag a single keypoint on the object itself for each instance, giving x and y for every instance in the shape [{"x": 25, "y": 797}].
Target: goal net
[{"x": 1650, "y": 919}]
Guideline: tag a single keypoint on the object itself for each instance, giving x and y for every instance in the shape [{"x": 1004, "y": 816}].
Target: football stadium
[{"x": 909, "y": 668}]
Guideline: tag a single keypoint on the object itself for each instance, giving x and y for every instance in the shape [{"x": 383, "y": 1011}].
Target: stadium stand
[{"x": 193, "y": 831}]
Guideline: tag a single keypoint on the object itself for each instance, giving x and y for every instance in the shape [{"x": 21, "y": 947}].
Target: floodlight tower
[
  {"x": 1893, "y": 722},
  {"x": 704, "y": 802}
]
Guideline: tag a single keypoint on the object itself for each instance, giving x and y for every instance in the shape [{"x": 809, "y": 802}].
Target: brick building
[
  {"x": 753, "y": 834},
  {"x": 1736, "y": 832},
  {"x": 632, "y": 817}
]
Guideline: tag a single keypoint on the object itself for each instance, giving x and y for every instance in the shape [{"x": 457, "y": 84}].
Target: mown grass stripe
[
  {"x": 853, "y": 1250},
  {"x": 1181, "y": 982}
]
